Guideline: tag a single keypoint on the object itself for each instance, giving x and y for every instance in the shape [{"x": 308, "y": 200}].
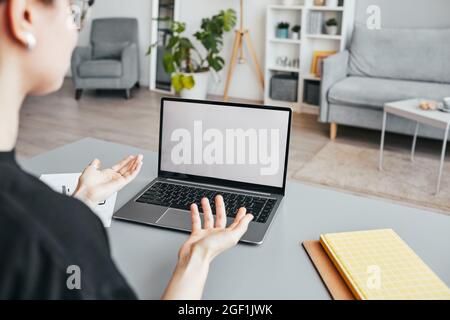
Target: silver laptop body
[{"x": 207, "y": 148}]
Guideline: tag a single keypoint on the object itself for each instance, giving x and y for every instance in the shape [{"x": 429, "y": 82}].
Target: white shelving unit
[
  {"x": 304, "y": 48},
  {"x": 285, "y": 40}
]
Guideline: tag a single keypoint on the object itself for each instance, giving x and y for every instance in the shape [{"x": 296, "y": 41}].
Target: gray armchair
[{"x": 112, "y": 59}]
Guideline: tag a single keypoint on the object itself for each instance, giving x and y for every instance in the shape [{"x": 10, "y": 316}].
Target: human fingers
[
  {"x": 118, "y": 180},
  {"x": 240, "y": 214},
  {"x": 195, "y": 217},
  {"x": 241, "y": 227},
  {"x": 128, "y": 165},
  {"x": 137, "y": 163},
  {"x": 132, "y": 174},
  {"x": 122, "y": 163},
  {"x": 93, "y": 166},
  {"x": 96, "y": 164},
  {"x": 221, "y": 215},
  {"x": 132, "y": 166},
  {"x": 231, "y": 236},
  {"x": 207, "y": 213}
]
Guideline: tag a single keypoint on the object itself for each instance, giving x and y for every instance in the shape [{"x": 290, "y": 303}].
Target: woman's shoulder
[
  {"x": 35, "y": 207},
  {"x": 57, "y": 230}
]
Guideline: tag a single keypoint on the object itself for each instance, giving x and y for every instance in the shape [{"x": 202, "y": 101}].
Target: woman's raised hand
[
  {"x": 214, "y": 237},
  {"x": 96, "y": 184}
]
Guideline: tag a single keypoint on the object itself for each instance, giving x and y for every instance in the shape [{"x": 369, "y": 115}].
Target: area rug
[{"x": 355, "y": 169}]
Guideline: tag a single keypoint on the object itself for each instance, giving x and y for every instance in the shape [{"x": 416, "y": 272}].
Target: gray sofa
[
  {"x": 112, "y": 59},
  {"x": 383, "y": 66}
]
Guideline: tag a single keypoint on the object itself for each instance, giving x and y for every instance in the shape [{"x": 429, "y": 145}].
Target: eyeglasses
[{"x": 79, "y": 13}]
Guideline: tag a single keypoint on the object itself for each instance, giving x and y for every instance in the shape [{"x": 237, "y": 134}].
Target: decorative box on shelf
[
  {"x": 311, "y": 92},
  {"x": 284, "y": 87}
]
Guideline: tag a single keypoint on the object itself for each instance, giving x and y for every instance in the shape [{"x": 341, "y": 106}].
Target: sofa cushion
[
  {"x": 407, "y": 54},
  {"x": 100, "y": 69},
  {"x": 374, "y": 92},
  {"x": 108, "y": 50}
]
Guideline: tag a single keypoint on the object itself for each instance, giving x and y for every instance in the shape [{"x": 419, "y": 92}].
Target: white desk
[{"x": 278, "y": 269}]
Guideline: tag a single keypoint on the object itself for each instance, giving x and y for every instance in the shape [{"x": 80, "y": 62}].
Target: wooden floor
[{"x": 52, "y": 121}]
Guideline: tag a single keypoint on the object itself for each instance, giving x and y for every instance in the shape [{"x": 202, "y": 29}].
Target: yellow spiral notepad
[{"x": 378, "y": 265}]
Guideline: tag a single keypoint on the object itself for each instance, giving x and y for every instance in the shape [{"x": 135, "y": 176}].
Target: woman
[{"x": 44, "y": 235}]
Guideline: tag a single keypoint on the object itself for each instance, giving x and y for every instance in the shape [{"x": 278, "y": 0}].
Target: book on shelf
[{"x": 315, "y": 23}]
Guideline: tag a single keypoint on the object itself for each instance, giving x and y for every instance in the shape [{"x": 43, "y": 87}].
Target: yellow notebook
[{"x": 378, "y": 265}]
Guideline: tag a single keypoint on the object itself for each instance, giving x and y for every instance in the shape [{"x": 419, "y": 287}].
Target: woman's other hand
[
  {"x": 96, "y": 185},
  {"x": 214, "y": 237},
  {"x": 204, "y": 244}
]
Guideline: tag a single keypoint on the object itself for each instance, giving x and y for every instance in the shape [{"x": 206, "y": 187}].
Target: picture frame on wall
[{"x": 317, "y": 61}]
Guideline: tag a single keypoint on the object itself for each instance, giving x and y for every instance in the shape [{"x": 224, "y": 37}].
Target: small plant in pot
[
  {"x": 296, "y": 32},
  {"x": 190, "y": 67},
  {"x": 283, "y": 30},
  {"x": 331, "y": 26}
]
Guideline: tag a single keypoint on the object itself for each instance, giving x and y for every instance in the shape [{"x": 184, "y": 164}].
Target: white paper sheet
[{"x": 67, "y": 183}]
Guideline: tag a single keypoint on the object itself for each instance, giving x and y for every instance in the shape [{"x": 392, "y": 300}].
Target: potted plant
[
  {"x": 331, "y": 26},
  {"x": 296, "y": 32},
  {"x": 190, "y": 67},
  {"x": 283, "y": 30}
]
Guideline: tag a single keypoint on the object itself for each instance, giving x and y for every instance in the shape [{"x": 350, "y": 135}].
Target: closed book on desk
[{"x": 378, "y": 265}]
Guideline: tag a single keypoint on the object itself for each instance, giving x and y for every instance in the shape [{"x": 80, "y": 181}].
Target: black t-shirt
[{"x": 51, "y": 244}]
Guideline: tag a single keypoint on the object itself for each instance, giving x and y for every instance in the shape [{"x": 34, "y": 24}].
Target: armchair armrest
[
  {"x": 79, "y": 55},
  {"x": 335, "y": 68},
  {"x": 130, "y": 64}
]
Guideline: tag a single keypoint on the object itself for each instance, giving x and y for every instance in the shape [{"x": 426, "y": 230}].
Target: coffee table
[{"x": 409, "y": 109}]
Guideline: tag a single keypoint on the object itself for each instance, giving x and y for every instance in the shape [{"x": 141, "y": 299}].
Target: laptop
[{"x": 209, "y": 148}]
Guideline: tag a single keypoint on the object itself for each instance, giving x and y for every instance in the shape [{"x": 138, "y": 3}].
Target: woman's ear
[{"x": 20, "y": 19}]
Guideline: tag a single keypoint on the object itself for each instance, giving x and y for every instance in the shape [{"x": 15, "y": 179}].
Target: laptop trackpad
[{"x": 178, "y": 219}]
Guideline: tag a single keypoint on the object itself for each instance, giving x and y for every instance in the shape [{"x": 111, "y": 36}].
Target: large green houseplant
[{"x": 189, "y": 65}]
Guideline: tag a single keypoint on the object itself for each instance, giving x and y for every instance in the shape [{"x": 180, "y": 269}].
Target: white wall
[
  {"x": 140, "y": 9},
  {"x": 245, "y": 82},
  {"x": 407, "y": 13},
  {"x": 395, "y": 13}
]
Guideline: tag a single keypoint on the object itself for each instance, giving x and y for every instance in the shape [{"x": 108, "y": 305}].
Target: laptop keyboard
[{"x": 182, "y": 196}]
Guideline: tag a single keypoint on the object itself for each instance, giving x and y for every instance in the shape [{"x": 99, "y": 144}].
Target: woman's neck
[{"x": 12, "y": 96}]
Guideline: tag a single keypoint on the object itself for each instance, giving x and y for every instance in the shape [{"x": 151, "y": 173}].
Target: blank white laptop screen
[{"x": 225, "y": 142}]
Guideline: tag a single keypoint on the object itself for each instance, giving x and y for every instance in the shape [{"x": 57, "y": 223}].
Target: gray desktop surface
[{"x": 278, "y": 269}]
